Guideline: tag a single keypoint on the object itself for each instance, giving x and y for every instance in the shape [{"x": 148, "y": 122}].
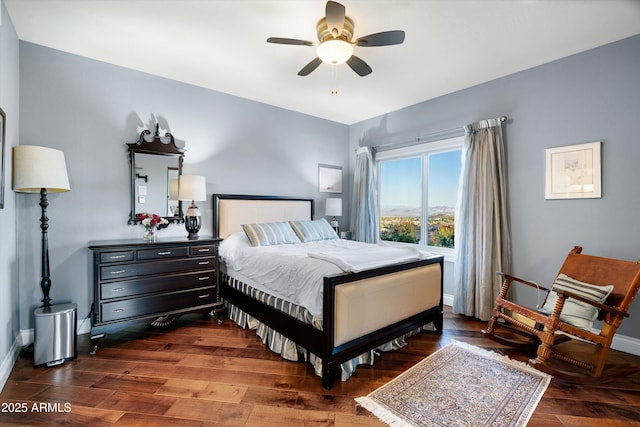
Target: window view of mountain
[{"x": 403, "y": 224}]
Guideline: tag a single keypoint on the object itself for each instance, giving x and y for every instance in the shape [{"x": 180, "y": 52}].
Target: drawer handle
[
  {"x": 164, "y": 253},
  {"x": 116, "y": 256},
  {"x": 203, "y": 278},
  {"x": 118, "y": 310},
  {"x": 118, "y": 289},
  {"x": 117, "y": 272},
  {"x": 203, "y": 263},
  {"x": 203, "y": 296},
  {"x": 203, "y": 250}
]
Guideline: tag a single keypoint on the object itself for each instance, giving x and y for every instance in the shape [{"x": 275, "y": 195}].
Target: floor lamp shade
[
  {"x": 194, "y": 188},
  {"x": 35, "y": 168},
  {"x": 38, "y": 170}
]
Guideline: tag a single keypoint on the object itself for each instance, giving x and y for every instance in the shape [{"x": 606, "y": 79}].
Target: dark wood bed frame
[{"x": 321, "y": 343}]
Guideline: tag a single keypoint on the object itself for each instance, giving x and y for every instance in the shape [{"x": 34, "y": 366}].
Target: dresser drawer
[
  {"x": 204, "y": 250},
  {"x": 156, "y": 267},
  {"x": 167, "y": 283},
  {"x": 120, "y": 256},
  {"x": 163, "y": 253},
  {"x": 160, "y": 304}
]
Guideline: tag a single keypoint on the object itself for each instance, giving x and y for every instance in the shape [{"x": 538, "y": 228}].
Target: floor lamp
[{"x": 40, "y": 170}]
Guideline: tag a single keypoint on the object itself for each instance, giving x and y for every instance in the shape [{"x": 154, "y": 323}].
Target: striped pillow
[
  {"x": 270, "y": 233},
  {"x": 574, "y": 312},
  {"x": 309, "y": 231}
]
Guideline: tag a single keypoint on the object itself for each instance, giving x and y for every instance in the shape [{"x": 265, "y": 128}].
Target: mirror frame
[{"x": 156, "y": 146}]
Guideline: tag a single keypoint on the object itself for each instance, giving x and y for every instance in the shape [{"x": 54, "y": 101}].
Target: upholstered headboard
[{"x": 230, "y": 211}]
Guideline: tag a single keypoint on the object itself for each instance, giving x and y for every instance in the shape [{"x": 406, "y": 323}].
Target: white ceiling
[{"x": 221, "y": 44}]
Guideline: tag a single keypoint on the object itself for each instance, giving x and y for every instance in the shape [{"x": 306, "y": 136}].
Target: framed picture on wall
[
  {"x": 2, "y": 149},
  {"x": 573, "y": 172},
  {"x": 329, "y": 179}
]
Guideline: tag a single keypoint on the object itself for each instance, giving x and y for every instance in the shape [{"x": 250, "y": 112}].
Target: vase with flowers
[{"x": 150, "y": 222}]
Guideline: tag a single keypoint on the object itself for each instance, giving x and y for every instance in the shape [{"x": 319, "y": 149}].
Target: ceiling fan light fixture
[{"x": 335, "y": 51}]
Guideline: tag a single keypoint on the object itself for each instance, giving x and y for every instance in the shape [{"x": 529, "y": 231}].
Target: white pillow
[
  {"x": 233, "y": 246},
  {"x": 574, "y": 312}
]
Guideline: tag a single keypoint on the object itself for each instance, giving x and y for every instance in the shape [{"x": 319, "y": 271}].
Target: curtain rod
[{"x": 433, "y": 136}]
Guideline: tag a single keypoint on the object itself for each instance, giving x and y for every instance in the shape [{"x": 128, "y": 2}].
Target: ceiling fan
[{"x": 335, "y": 32}]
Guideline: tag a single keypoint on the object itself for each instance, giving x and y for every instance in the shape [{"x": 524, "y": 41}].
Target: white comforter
[{"x": 294, "y": 272}]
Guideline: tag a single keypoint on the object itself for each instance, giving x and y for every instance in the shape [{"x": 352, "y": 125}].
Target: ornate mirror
[{"x": 156, "y": 165}]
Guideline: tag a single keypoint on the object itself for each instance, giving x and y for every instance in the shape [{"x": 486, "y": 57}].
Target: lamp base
[
  {"x": 193, "y": 221},
  {"x": 335, "y": 225},
  {"x": 45, "y": 281}
]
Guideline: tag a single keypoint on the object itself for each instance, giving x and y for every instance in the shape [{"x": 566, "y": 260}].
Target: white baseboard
[
  {"x": 620, "y": 342},
  {"x": 85, "y": 326},
  {"x": 626, "y": 344},
  {"x": 26, "y": 337},
  {"x": 10, "y": 359},
  {"x": 447, "y": 299}
]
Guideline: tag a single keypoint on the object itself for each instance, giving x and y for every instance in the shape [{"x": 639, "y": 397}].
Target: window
[{"x": 419, "y": 185}]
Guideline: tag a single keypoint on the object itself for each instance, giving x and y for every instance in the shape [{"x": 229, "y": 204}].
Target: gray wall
[
  {"x": 9, "y": 283},
  {"x": 90, "y": 109},
  {"x": 592, "y": 96}
]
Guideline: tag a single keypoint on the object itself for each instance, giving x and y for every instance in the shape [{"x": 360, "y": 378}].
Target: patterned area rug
[{"x": 460, "y": 385}]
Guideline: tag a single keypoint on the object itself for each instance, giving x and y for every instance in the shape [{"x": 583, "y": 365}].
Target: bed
[{"x": 362, "y": 311}]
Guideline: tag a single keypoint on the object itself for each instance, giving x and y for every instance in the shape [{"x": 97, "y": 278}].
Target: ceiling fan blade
[
  {"x": 280, "y": 40},
  {"x": 359, "y": 66},
  {"x": 335, "y": 13},
  {"x": 385, "y": 38},
  {"x": 307, "y": 69}
]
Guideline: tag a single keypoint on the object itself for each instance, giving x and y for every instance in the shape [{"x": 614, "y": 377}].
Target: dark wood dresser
[{"x": 153, "y": 282}]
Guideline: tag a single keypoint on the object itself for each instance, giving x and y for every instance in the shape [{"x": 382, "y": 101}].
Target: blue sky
[{"x": 400, "y": 181}]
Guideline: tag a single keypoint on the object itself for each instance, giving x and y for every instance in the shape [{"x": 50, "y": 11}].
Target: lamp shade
[
  {"x": 192, "y": 187},
  {"x": 333, "y": 207},
  {"x": 37, "y": 167}
]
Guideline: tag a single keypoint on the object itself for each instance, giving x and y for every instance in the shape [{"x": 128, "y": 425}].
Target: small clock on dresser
[{"x": 154, "y": 282}]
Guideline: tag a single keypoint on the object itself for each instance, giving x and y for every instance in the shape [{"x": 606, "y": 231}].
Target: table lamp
[
  {"x": 194, "y": 188},
  {"x": 334, "y": 208}
]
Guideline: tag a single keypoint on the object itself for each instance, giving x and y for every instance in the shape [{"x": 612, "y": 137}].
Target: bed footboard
[
  {"x": 364, "y": 306},
  {"x": 365, "y": 310},
  {"x": 361, "y": 311}
]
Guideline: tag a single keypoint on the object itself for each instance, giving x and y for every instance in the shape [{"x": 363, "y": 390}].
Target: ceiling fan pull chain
[{"x": 334, "y": 79}]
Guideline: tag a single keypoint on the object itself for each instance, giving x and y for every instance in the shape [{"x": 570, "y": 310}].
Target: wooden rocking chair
[{"x": 579, "y": 294}]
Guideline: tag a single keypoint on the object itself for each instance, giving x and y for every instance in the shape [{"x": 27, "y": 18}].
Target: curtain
[
  {"x": 365, "y": 224},
  {"x": 482, "y": 232}
]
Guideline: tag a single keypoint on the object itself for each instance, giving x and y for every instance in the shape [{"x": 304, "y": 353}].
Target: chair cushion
[
  {"x": 270, "y": 233},
  {"x": 574, "y": 312}
]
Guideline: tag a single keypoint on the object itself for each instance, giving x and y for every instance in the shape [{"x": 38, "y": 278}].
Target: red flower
[{"x": 150, "y": 220}]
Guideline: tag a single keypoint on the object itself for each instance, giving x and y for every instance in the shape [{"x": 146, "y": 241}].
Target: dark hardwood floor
[{"x": 200, "y": 373}]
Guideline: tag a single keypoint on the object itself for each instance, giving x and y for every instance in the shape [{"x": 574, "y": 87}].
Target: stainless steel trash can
[{"x": 54, "y": 334}]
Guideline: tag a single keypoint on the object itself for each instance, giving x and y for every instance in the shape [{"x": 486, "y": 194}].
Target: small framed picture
[
  {"x": 573, "y": 172},
  {"x": 329, "y": 179}
]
